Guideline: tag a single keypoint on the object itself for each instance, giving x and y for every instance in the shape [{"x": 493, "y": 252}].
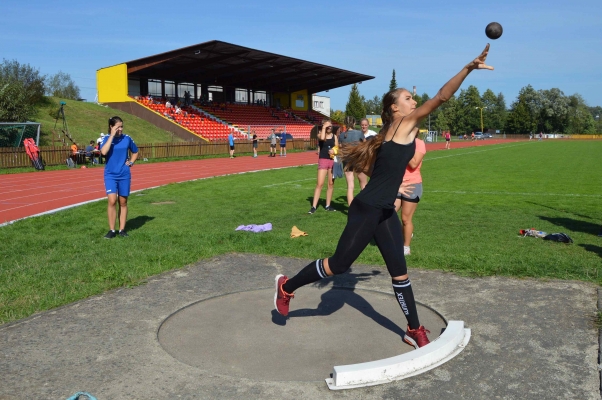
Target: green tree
[
  {"x": 554, "y": 111},
  {"x": 597, "y": 114},
  {"x": 373, "y": 106},
  {"x": 393, "y": 83},
  {"x": 61, "y": 85},
  {"x": 580, "y": 120},
  {"x": 15, "y": 104},
  {"x": 445, "y": 118},
  {"x": 520, "y": 119},
  {"x": 29, "y": 78},
  {"x": 468, "y": 117},
  {"x": 337, "y": 116},
  {"x": 354, "y": 106},
  {"x": 494, "y": 115}
]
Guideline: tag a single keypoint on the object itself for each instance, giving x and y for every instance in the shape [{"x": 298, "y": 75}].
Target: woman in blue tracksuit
[{"x": 116, "y": 147}]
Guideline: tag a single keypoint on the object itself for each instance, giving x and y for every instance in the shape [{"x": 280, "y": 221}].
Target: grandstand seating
[
  {"x": 214, "y": 122},
  {"x": 192, "y": 119},
  {"x": 261, "y": 119}
]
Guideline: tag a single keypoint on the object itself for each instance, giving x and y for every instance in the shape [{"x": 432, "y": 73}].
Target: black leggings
[{"x": 365, "y": 222}]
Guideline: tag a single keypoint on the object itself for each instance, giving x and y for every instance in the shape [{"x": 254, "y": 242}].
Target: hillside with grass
[{"x": 87, "y": 120}]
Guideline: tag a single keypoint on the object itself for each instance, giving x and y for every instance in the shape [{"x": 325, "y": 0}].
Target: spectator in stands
[
  {"x": 117, "y": 176},
  {"x": 187, "y": 98},
  {"x": 273, "y": 139},
  {"x": 231, "y": 143},
  {"x": 254, "y": 136},
  {"x": 167, "y": 104},
  {"x": 282, "y": 143},
  {"x": 326, "y": 141},
  {"x": 351, "y": 137},
  {"x": 368, "y": 133},
  {"x": 90, "y": 152},
  {"x": 178, "y": 109}
]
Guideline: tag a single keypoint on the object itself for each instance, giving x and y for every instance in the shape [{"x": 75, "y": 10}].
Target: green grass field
[
  {"x": 475, "y": 202},
  {"x": 87, "y": 120}
]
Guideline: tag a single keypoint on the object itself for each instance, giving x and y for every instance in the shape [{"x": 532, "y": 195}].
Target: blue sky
[{"x": 545, "y": 43}]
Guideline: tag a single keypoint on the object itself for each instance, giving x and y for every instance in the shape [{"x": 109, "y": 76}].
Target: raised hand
[{"x": 479, "y": 62}]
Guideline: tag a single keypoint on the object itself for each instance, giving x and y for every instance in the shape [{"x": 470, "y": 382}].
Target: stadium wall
[
  {"x": 112, "y": 84},
  {"x": 300, "y": 100}
]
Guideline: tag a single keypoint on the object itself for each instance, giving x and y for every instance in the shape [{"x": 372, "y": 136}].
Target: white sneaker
[{"x": 406, "y": 250}]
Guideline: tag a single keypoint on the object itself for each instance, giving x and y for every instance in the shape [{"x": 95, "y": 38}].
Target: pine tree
[
  {"x": 393, "y": 83},
  {"x": 354, "y": 106}
]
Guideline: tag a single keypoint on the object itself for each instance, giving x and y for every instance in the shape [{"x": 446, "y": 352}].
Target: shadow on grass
[
  {"x": 594, "y": 249},
  {"x": 558, "y": 210},
  {"x": 338, "y": 296},
  {"x": 138, "y": 222},
  {"x": 574, "y": 225}
]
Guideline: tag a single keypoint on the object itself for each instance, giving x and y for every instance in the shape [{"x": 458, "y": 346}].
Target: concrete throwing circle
[{"x": 241, "y": 335}]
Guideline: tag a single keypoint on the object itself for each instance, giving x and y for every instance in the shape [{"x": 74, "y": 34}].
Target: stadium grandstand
[{"x": 206, "y": 91}]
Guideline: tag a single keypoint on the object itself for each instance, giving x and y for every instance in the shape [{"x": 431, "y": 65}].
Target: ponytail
[{"x": 361, "y": 157}]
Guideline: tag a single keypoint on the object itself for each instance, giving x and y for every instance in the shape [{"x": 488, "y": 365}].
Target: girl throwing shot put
[{"x": 372, "y": 212}]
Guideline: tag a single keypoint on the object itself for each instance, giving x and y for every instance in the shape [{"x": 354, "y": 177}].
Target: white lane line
[
  {"x": 473, "y": 152},
  {"x": 517, "y": 193},
  {"x": 286, "y": 183}
]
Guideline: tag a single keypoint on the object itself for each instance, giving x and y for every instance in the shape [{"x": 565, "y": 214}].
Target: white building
[{"x": 321, "y": 104}]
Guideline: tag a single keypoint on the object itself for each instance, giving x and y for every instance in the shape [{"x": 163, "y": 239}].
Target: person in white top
[{"x": 368, "y": 133}]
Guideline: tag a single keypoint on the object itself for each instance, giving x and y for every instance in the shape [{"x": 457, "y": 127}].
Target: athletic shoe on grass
[
  {"x": 329, "y": 208},
  {"x": 418, "y": 337},
  {"x": 123, "y": 233},
  {"x": 281, "y": 298},
  {"x": 110, "y": 235},
  {"x": 312, "y": 210}
]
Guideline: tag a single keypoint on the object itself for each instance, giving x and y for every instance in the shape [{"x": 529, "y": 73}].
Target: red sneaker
[
  {"x": 417, "y": 337},
  {"x": 281, "y": 298}
]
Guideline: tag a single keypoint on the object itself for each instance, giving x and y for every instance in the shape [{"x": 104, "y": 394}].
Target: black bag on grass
[{"x": 558, "y": 237}]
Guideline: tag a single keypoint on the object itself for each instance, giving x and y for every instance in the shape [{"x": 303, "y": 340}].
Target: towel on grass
[
  {"x": 255, "y": 228},
  {"x": 295, "y": 233}
]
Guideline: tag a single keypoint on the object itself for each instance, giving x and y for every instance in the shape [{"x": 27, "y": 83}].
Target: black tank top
[
  {"x": 391, "y": 162},
  {"x": 326, "y": 145}
]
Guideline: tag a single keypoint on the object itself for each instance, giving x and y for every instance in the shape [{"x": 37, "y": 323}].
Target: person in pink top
[
  {"x": 447, "y": 140},
  {"x": 410, "y": 193}
]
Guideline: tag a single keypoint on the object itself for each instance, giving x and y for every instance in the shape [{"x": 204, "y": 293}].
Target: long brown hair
[{"x": 360, "y": 158}]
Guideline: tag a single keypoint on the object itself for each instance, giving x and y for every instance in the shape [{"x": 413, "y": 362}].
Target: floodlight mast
[{"x": 481, "y": 108}]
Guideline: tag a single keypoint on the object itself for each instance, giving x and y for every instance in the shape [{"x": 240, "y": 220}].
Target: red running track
[{"x": 32, "y": 193}]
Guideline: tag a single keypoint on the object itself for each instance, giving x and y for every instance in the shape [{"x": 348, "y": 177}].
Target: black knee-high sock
[
  {"x": 313, "y": 272},
  {"x": 405, "y": 298}
]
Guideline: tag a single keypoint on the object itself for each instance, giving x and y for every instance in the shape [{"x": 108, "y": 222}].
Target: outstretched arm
[{"x": 448, "y": 90}]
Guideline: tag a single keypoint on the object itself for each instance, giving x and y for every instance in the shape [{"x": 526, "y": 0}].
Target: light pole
[{"x": 481, "y": 108}]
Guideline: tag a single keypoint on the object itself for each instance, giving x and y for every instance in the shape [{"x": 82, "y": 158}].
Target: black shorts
[
  {"x": 254, "y": 145},
  {"x": 282, "y": 146},
  {"x": 231, "y": 147}
]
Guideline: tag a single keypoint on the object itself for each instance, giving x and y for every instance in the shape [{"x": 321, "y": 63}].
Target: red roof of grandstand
[{"x": 225, "y": 64}]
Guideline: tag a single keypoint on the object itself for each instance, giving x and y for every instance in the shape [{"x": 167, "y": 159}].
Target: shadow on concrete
[
  {"x": 337, "y": 296},
  {"x": 574, "y": 225},
  {"x": 594, "y": 249},
  {"x": 138, "y": 222}
]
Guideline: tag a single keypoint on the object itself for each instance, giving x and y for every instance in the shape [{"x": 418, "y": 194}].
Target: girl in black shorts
[
  {"x": 254, "y": 144},
  {"x": 372, "y": 214}
]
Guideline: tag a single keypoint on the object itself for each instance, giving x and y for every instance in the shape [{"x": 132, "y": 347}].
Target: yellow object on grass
[{"x": 295, "y": 233}]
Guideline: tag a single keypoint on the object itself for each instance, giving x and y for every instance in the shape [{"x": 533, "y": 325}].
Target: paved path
[
  {"x": 531, "y": 339},
  {"x": 28, "y": 194}
]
